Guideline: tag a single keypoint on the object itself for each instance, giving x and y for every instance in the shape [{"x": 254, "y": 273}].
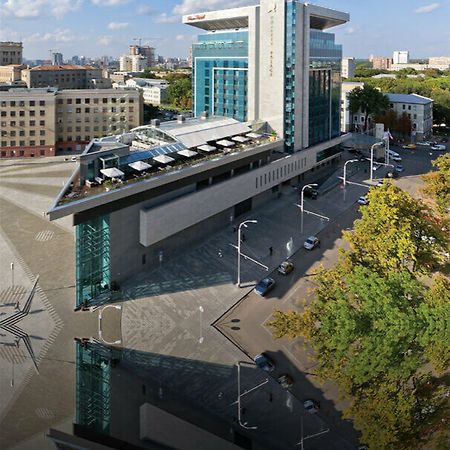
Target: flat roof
[
  {"x": 409, "y": 98},
  {"x": 64, "y": 67}
]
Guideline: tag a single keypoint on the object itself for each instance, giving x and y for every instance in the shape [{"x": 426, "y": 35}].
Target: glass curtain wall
[
  {"x": 220, "y": 73},
  {"x": 92, "y": 260},
  {"x": 324, "y": 87}
]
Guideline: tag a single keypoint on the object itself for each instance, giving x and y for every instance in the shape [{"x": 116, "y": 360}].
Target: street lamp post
[
  {"x": 345, "y": 168},
  {"x": 243, "y": 224},
  {"x": 371, "y": 158},
  {"x": 301, "y": 194}
]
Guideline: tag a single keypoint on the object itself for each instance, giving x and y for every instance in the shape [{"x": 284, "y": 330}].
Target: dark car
[
  {"x": 264, "y": 286},
  {"x": 310, "y": 193},
  {"x": 393, "y": 174},
  {"x": 285, "y": 381},
  {"x": 285, "y": 267},
  {"x": 264, "y": 362}
]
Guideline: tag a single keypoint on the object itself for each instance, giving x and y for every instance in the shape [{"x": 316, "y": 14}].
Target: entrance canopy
[
  {"x": 112, "y": 172},
  {"x": 139, "y": 166}
]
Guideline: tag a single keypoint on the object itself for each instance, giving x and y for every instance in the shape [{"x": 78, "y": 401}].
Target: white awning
[
  {"x": 187, "y": 153},
  {"x": 139, "y": 166},
  {"x": 239, "y": 139},
  {"x": 163, "y": 159},
  {"x": 112, "y": 172},
  {"x": 225, "y": 143},
  {"x": 253, "y": 135},
  {"x": 207, "y": 148}
]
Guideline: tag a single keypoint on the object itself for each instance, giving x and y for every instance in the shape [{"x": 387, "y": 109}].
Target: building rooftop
[
  {"x": 409, "y": 98},
  {"x": 64, "y": 67}
]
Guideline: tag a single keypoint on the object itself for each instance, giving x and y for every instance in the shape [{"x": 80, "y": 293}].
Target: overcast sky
[{"x": 106, "y": 27}]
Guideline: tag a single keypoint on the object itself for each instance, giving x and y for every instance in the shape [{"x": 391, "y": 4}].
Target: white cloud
[
  {"x": 351, "y": 30},
  {"x": 117, "y": 25},
  {"x": 105, "y": 40},
  {"x": 191, "y": 6},
  {"x": 146, "y": 10},
  {"x": 166, "y": 18},
  {"x": 59, "y": 36},
  {"x": 109, "y": 2},
  {"x": 28, "y": 9},
  {"x": 427, "y": 8}
]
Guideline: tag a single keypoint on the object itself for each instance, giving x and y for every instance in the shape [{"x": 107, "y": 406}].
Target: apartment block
[
  {"x": 27, "y": 119},
  {"x": 10, "y": 53},
  {"x": 401, "y": 57},
  {"x": 61, "y": 77},
  {"x": 382, "y": 63},
  {"x": 348, "y": 67},
  {"x": 42, "y": 122},
  {"x": 82, "y": 115}
]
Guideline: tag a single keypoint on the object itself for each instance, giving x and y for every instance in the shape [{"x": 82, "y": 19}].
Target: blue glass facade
[
  {"x": 289, "y": 82},
  {"x": 220, "y": 74},
  {"x": 324, "y": 87}
]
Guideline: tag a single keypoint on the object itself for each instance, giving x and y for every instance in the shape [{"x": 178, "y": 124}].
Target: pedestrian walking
[
  {"x": 270, "y": 251},
  {"x": 220, "y": 254}
]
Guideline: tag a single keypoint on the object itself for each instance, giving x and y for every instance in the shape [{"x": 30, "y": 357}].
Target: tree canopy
[
  {"x": 437, "y": 183},
  {"x": 377, "y": 329},
  {"x": 179, "y": 92},
  {"x": 369, "y": 100}
]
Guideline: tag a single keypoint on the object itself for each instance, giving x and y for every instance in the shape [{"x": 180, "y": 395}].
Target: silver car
[{"x": 311, "y": 243}]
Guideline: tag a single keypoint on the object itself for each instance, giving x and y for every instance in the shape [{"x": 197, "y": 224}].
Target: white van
[{"x": 394, "y": 155}]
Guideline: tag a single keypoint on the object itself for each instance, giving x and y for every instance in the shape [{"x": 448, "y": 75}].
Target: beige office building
[
  {"x": 42, "y": 122},
  {"x": 27, "y": 119},
  {"x": 10, "y": 73},
  {"x": 10, "y": 53},
  {"x": 85, "y": 114}
]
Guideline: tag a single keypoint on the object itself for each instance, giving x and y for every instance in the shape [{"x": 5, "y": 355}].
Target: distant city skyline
[{"x": 93, "y": 28}]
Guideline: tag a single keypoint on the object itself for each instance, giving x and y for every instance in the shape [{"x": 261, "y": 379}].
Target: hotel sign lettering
[{"x": 197, "y": 17}]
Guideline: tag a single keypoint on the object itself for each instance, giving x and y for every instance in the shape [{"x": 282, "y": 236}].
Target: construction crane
[{"x": 140, "y": 39}]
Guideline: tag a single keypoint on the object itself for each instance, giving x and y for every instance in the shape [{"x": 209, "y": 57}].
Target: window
[
  {"x": 32, "y": 123},
  {"x": 22, "y": 103},
  {"x": 96, "y": 101},
  {"x": 3, "y": 113},
  {"x": 32, "y": 143},
  {"x": 105, "y": 100},
  {"x": 60, "y": 101},
  {"x": 78, "y": 101},
  {"x": 12, "y": 133},
  {"x": 32, "y": 132},
  {"x": 69, "y": 101},
  {"x": 32, "y": 113},
  {"x": 42, "y": 152},
  {"x": 21, "y": 152},
  {"x": 13, "y": 103},
  {"x": 42, "y": 133},
  {"x": 41, "y": 102},
  {"x": 87, "y": 110},
  {"x": 21, "y": 133},
  {"x": 22, "y": 123},
  {"x": 42, "y": 142},
  {"x": 409, "y": 107},
  {"x": 78, "y": 110},
  {"x": 13, "y": 123},
  {"x": 404, "y": 106},
  {"x": 42, "y": 113},
  {"x": 42, "y": 123},
  {"x": 12, "y": 113},
  {"x": 415, "y": 116},
  {"x": 87, "y": 100}
]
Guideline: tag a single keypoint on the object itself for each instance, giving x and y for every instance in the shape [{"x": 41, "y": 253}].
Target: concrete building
[
  {"x": 278, "y": 65},
  {"x": 27, "y": 123},
  {"x": 10, "y": 53},
  {"x": 146, "y": 51},
  {"x": 348, "y": 67},
  {"x": 439, "y": 60},
  {"x": 380, "y": 62},
  {"x": 57, "y": 59},
  {"x": 11, "y": 73},
  {"x": 419, "y": 67},
  {"x": 347, "y": 121},
  {"x": 42, "y": 122},
  {"x": 61, "y": 77},
  {"x": 154, "y": 91},
  {"x": 271, "y": 89},
  {"x": 132, "y": 63},
  {"x": 401, "y": 57},
  {"x": 419, "y": 109}
]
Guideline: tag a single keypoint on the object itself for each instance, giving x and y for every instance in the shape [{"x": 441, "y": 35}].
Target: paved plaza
[{"x": 167, "y": 311}]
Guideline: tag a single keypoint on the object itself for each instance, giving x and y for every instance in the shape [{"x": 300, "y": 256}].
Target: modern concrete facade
[
  {"x": 10, "y": 53},
  {"x": 401, "y": 57},
  {"x": 62, "y": 77},
  {"x": 348, "y": 67},
  {"x": 42, "y": 122},
  {"x": 274, "y": 66}
]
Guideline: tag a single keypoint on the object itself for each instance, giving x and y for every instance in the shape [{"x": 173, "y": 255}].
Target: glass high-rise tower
[{"x": 272, "y": 62}]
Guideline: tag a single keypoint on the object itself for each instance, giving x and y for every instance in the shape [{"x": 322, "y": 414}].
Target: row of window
[
  {"x": 21, "y": 103},
  {"x": 22, "y": 143},
  {"x": 113, "y": 109},
  {"x": 95, "y": 101},
  {"x": 21, "y": 133},
  {"x": 280, "y": 172},
  {"x": 31, "y": 113},
  {"x": 21, "y": 153},
  {"x": 32, "y": 123}
]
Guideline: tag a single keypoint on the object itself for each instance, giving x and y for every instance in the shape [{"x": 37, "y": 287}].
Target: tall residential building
[
  {"x": 57, "y": 59},
  {"x": 277, "y": 65},
  {"x": 42, "y": 122},
  {"x": 10, "y": 53},
  {"x": 146, "y": 51},
  {"x": 348, "y": 67},
  {"x": 63, "y": 77},
  {"x": 382, "y": 63},
  {"x": 401, "y": 57}
]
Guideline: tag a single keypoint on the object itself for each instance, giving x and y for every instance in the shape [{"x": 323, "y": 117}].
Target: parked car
[
  {"x": 285, "y": 267},
  {"x": 393, "y": 174},
  {"x": 399, "y": 168},
  {"x": 394, "y": 155},
  {"x": 74, "y": 158},
  {"x": 265, "y": 286},
  {"x": 363, "y": 200},
  {"x": 444, "y": 139},
  {"x": 410, "y": 146},
  {"x": 427, "y": 143},
  {"x": 311, "y": 243},
  {"x": 438, "y": 147},
  {"x": 264, "y": 362},
  {"x": 310, "y": 192},
  {"x": 311, "y": 406},
  {"x": 285, "y": 381}
]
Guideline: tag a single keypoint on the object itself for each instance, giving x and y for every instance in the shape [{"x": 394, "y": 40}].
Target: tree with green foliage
[
  {"x": 179, "y": 93},
  {"x": 369, "y": 100},
  {"x": 437, "y": 183},
  {"x": 147, "y": 73},
  {"x": 397, "y": 124}
]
